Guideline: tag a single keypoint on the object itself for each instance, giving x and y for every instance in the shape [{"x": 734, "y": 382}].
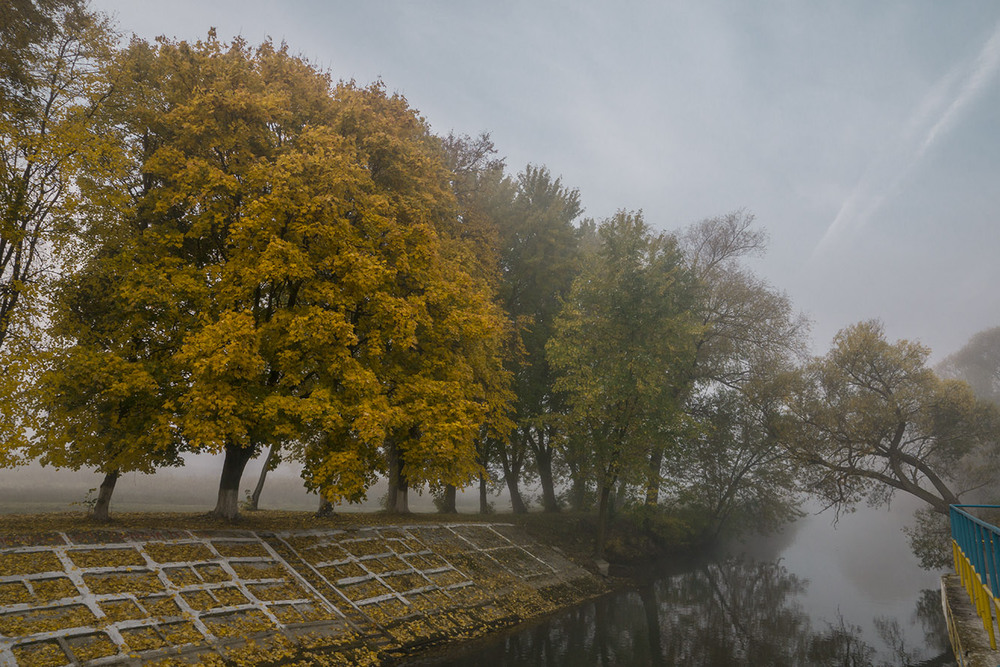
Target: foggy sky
[{"x": 864, "y": 136}]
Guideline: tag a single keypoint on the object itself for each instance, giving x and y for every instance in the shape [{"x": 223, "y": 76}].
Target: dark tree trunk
[
  {"x": 402, "y": 498},
  {"x": 511, "y": 473},
  {"x": 393, "y": 466},
  {"x": 255, "y": 496},
  {"x": 578, "y": 488},
  {"x": 543, "y": 456},
  {"x": 448, "y": 504},
  {"x": 325, "y": 507},
  {"x": 578, "y": 494},
  {"x": 516, "y": 502},
  {"x": 484, "y": 502},
  {"x": 228, "y": 506},
  {"x": 397, "y": 502},
  {"x": 102, "y": 507}
]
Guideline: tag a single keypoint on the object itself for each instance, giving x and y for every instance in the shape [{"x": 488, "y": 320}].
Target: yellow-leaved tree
[
  {"x": 291, "y": 246},
  {"x": 53, "y": 91},
  {"x": 430, "y": 330}
]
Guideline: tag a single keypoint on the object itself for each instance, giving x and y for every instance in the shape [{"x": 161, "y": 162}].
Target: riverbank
[{"x": 281, "y": 586}]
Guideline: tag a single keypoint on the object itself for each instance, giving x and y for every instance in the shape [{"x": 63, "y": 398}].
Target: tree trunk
[
  {"x": 393, "y": 465},
  {"x": 102, "y": 506},
  {"x": 402, "y": 498},
  {"x": 578, "y": 494},
  {"x": 397, "y": 502},
  {"x": 511, "y": 473},
  {"x": 325, "y": 507},
  {"x": 543, "y": 457},
  {"x": 484, "y": 502},
  {"x": 653, "y": 479},
  {"x": 577, "y": 489},
  {"x": 516, "y": 502},
  {"x": 228, "y": 507},
  {"x": 602, "y": 520},
  {"x": 448, "y": 504},
  {"x": 255, "y": 496}
]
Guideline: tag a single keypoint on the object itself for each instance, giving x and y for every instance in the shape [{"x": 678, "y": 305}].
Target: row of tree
[{"x": 213, "y": 247}]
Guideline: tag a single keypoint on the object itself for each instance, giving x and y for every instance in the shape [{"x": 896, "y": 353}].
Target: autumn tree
[
  {"x": 259, "y": 236},
  {"x": 105, "y": 389},
  {"x": 539, "y": 258},
  {"x": 623, "y": 335},
  {"x": 484, "y": 196},
  {"x": 873, "y": 419},
  {"x": 52, "y": 135},
  {"x": 436, "y": 342}
]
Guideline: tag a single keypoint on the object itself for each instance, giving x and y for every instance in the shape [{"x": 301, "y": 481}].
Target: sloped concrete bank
[
  {"x": 969, "y": 640},
  {"x": 326, "y": 596}
]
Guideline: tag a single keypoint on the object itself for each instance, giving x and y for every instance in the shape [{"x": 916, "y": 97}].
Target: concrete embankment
[
  {"x": 326, "y": 596},
  {"x": 969, "y": 638}
]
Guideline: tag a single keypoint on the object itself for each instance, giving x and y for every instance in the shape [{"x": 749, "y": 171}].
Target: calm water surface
[{"x": 819, "y": 594}]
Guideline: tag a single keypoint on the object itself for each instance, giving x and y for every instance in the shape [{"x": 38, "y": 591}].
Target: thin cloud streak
[
  {"x": 985, "y": 69},
  {"x": 942, "y": 105}
]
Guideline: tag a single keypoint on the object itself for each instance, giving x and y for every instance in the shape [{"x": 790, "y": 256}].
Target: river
[{"x": 849, "y": 594}]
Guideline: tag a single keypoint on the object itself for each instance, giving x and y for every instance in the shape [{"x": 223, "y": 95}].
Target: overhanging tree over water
[{"x": 873, "y": 419}]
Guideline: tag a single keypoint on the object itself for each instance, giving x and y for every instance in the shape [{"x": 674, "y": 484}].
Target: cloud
[
  {"x": 983, "y": 71},
  {"x": 936, "y": 114}
]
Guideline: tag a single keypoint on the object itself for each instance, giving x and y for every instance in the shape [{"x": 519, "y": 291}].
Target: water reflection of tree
[
  {"x": 732, "y": 612},
  {"x": 840, "y": 645},
  {"x": 931, "y": 618}
]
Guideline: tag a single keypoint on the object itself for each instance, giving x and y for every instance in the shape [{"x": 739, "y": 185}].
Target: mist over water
[{"x": 859, "y": 568}]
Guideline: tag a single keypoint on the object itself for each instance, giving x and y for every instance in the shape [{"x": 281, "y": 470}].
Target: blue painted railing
[{"x": 975, "y": 545}]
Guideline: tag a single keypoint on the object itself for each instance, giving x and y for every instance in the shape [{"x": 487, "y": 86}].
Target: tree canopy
[
  {"x": 873, "y": 419},
  {"x": 626, "y": 330},
  {"x": 295, "y": 246},
  {"x": 978, "y": 363},
  {"x": 54, "y": 86}
]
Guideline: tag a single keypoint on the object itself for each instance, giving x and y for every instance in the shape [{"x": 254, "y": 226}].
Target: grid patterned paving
[
  {"x": 97, "y": 603},
  {"x": 105, "y": 597}
]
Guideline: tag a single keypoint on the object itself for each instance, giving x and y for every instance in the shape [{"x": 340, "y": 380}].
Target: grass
[
  {"x": 571, "y": 532},
  {"x": 258, "y": 520}
]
